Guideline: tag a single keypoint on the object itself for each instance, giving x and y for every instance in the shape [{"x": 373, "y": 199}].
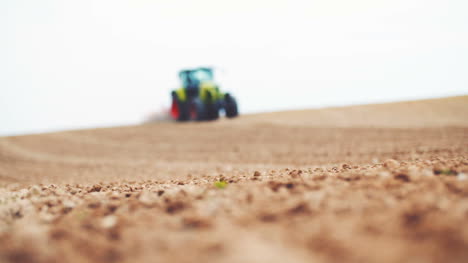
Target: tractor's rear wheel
[
  {"x": 212, "y": 111},
  {"x": 230, "y": 106},
  {"x": 211, "y": 105},
  {"x": 179, "y": 109},
  {"x": 197, "y": 110}
]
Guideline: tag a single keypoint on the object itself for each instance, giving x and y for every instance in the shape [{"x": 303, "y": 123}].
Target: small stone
[
  {"x": 34, "y": 190},
  {"x": 413, "y": 170},
  {"x": 427, "y": 173},
  {"x": 402, "y": 177},
  {"x": 95, "y": 188},
  {"x": 68, "y": 204},
  {"x": 46, "y": 217},
  {"x": 391, "y": 164},
  {"x": 384, "y": 174},
  {"x": 295, "y": 173},
  {"x": 462, "y": 177},
  {"x": 109, "y": 221},
  {"x": 147, "y": 198},
  {"x": 94, "y": 204},
  {"x": 257, "y": 173}
]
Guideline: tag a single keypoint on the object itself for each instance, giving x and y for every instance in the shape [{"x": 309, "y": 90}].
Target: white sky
[{"x": 73, "y": 64}]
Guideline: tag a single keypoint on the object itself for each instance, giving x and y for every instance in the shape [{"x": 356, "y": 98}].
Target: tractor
[{"x": 199, "y": 98}]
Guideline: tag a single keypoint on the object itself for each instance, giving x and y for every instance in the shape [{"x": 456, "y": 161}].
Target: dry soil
[{"x": 374, "y": 183}]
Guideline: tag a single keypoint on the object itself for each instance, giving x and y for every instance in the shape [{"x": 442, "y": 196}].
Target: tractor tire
[
  {"x": 230, "y": 106},
  {"x": 212, "y": 111},
  {"x": 180, "y": 110},
  {"x": 197, "y": 110},
  {"x": 212, "y": 106}
]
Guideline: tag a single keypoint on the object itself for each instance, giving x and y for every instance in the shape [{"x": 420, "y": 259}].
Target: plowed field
[{"x": 373, "y": 183}]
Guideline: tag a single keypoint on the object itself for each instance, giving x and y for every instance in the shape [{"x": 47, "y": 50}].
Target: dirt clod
[
  {"x": 391, "y": 164},
  {"x": 402, "y": 177},
  {"x": 95, "y": 188}
]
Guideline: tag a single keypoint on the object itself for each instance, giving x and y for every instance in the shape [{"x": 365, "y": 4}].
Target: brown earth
[{"x": 373, "y": 183}]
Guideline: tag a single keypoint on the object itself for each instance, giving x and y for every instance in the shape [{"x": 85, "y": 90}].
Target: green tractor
[{"x": 199, "y": 98}]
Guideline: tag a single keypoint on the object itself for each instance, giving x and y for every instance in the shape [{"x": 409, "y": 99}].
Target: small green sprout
[
  {"x": 445, "y": 172},
  {"x": 220, "y": 184},
  {"x": 449, "y": 172}
]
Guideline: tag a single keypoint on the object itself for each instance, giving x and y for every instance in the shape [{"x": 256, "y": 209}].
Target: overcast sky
[{"x": 74, "y": 64}]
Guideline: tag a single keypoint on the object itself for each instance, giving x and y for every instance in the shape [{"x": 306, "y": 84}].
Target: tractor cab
[{"x": 191, "y": 79}]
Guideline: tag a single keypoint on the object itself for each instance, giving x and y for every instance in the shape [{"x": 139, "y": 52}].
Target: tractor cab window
[
  {"x": 184, "y": 76},
  {"x": 191, "y": 79},
  {"x": 202, "y": 75}
]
